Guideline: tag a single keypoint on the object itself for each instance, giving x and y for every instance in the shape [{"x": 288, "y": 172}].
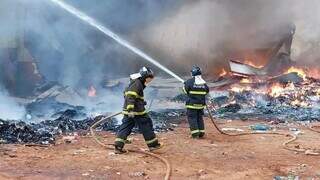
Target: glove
[
  {"x": 130, "y": 114},
  {"x": 145, "y": 102}
]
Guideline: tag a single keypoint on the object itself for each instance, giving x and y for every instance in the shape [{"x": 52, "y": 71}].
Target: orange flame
[
  {"x": 223, "y": 73},
  {"x": 92, "y": 92},
  {"x": 245, "y": 81},
  {"x": 299, "y": 71},
  {"x": 276, "y": 90},
  {"x": 248, "y": 62}
]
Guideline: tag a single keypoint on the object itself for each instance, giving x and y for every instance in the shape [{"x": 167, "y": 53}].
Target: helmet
[
  {"x": 195, "y": 71},
  {"x": 146, "y": 72}
]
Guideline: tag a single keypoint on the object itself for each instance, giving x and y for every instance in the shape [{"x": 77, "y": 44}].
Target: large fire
[
  {"x": 304, "y": 93},
  {"x": 92, "y": 92}
]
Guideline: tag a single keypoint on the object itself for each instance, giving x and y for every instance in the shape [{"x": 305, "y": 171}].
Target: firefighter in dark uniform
[
  {"x": 196, "y": 89},
  {"x": 135, "y": 113}
]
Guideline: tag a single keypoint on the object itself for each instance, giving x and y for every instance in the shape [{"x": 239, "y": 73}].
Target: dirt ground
[{"x": 215, "y": 157}]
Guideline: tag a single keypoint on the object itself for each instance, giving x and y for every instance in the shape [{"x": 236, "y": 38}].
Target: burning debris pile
[
  {"x": 293, "y": 95},
  {"x": 47, "y": 131}
]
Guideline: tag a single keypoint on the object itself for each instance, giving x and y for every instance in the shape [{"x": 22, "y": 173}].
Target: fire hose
[
  {"x": 166, "y": 162},
  {"x": 107, "y": 146},
  {"x": 285, "y": 144},
  {"x": 312, "y": 128}
]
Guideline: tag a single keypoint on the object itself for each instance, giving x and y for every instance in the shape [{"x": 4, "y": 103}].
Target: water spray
[{"x": 97, "y": 25}]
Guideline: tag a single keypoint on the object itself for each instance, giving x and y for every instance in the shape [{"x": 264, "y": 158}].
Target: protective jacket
[
  {"x": 196, "y": 94},
  {"x": 134, "y": 98}
]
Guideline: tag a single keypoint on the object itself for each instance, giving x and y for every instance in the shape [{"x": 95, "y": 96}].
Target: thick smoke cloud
[
  {"x": 184, "y": 32},
  {"x": 73, "y": 53},
  {"x": 178, "y": 33},
  {"x": 205, "y": 32}
]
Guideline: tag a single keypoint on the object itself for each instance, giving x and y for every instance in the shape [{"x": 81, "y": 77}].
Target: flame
[
  {"x": 299, "y": 71},
  {"x": 318, "y": 92},
  {"x": 223, "y": 73},
  {"x": 92, "y": 92},
  {"x": 248, "y": 62},
  {"x": 276, "y": 90},
  {"x": 314, "y": 73},
  {"x": 245, "y": 80}
]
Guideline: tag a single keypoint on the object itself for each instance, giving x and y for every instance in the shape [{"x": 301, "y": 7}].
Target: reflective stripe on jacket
[
  {"x": 196, "y": 94},
  {"x": 133, "y": 98}
]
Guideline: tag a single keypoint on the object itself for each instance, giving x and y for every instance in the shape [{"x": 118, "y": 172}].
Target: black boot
[
  {"x": 201, "y": 135},
  {"x": 119, "y": 150},
  {"x": 156, "y": 147}
]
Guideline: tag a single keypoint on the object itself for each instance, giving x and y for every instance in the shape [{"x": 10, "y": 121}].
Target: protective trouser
[
  {"x": 145, "y": 126},
  {"x": 196, "y": 123}
]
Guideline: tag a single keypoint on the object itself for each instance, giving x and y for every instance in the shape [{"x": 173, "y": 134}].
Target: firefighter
[
  {"x": 196, "y": 89},
  {"x": 135, "y": 113}
]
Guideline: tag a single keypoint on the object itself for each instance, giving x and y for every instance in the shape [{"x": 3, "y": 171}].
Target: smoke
[
  {"x": 178, "y": 33},
  {"x": 9, "y": 108},
  {"x": 307, "y": 40},
  {"x": 206, "y": 32},
  {"x": 184, "y": 32},
  {"x": 75, "y": 54}
]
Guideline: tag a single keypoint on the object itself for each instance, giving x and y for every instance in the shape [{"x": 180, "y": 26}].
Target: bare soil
[{"x": 215, "y": 157}]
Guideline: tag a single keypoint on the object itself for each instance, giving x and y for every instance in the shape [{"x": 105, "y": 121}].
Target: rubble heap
[
  {"x": 291, "y": 96},
  {"x": 46, "y": 131}
]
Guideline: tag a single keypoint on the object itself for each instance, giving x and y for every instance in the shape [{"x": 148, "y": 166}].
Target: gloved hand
[
  {"x": 145, "y": 102},
  {"x": 130, "y": 114}
]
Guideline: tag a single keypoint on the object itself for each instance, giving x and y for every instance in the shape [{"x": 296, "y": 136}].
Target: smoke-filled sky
[
  {"x": 178, "y": 33},
  {"x": 207, "y": 31}
]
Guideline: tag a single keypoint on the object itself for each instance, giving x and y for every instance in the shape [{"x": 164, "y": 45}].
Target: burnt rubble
[
  {"x": 51, "y": 108},
  {"x": 297, "y": 101},
  {"x": 283, "y": 98},
  {"x": 46, "y": 131}
]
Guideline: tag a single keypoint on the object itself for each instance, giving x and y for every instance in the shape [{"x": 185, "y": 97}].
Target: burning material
[
  {"x": 277, "y": 57},
  {"x": 246, "y": 80},
  {"x": 242, "y": 69},
  {"x": 289, "y": 96},
  {"x": 251, "y": 63},
  {"x": 223, "y": 73},
  {"x": 276, "y": 90},
  {"x": 299, "y": 71}
]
